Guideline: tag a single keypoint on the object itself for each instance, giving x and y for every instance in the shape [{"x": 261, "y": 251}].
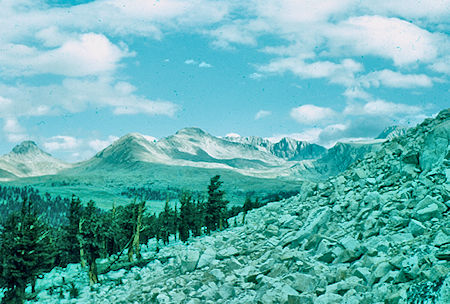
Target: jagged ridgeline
[
  {"x": 375, "y": 233},
  {"x": 185, "y": 160}
]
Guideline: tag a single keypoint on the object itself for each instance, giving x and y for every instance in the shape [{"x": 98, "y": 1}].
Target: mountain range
[
  {"x": 379, "y": 232},
  {"x": 186, "y": 159}
]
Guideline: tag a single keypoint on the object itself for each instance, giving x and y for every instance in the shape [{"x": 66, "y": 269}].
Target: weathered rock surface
[{"x": 377, "y": 233}]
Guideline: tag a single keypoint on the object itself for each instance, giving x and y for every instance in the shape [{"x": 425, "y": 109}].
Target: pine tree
[
  {"x": 26, "y": 252},
  {"x": 186, "y": 216},
  {"x": 199, "y": 217},
  {"x": 215, "y": 206},
  {"x": 248, "y": 205},
  {"x": 138, "y": 210},
  {"x": 165, "y": 223},
  {"x": 72, "y": 239},
  {"x": 91, "y": 239}
]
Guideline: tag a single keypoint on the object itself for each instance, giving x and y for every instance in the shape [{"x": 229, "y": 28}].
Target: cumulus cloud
[
  {"x": 262, "y": 113},
  {"x": 381, "y": 108},
  {"x": 61, "y": 142},
  {"x": 310, "y": 114},
  {"x": 442, "y": 65},
  {"x": 342, "y": 73},
  {"x": 309, "y": 135},
  {"x": 256, "y": 76},
  {"x": 401, "y": 41},
  {"x": 72, "y": 148},
  {"x": 89, "y": 54},
  {"x": 318, "y": 37},
  {"x": 13, "y": 130},
  {"x": 98, "y": 144},
  {"x": 116, "y": 17},
  {"x": 393, "y": 79},
  {"x": 356, "y": 93},
  {"x": 202, "y": 64},
  {"x": 363, "y": 119},
  {"x": 237, "y": 32},
  {"x": 289, "y": 14},
  {"x": 76, "y": 95},
  {"x": 417, "y": 9}
]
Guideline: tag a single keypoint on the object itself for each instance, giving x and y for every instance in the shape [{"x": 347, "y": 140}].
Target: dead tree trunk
[
  {"x": 93, "y": 276},
  {"x": 82, "y": 257},
  {"x": 137, "y": 232}
]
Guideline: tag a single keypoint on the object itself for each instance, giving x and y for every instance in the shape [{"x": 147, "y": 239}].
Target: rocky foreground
[{"x": 377, "y": 233}]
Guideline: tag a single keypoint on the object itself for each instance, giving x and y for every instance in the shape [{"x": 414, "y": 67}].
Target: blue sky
[{"x": 77, "y": 76}]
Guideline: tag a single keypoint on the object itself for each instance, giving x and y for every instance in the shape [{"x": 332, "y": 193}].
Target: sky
[{"x": 76, "y": 76}]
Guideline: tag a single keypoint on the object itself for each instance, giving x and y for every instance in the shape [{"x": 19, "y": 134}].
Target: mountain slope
[
  {"x": 27, "y": 160},
  {"x": 188, "y": 147},
  {"x": 392, "y": 132},
  {"x": 286, "y": 148},
  {"x": 185, "y": 160},
  {"x": 376, "y": 233}
]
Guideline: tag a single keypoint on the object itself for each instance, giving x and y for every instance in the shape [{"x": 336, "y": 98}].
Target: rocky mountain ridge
[
  {"x": 193, "y": 147},
  {"x": 287, "y": 148},
  {"x": 27, "y": 159},
  {"x": 376, "y": 233}
]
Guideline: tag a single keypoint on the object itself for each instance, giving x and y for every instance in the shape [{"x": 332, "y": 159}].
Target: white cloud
[
  {"x": 204, "y": 65},
  {"x": 310, "y": 135},
  {"x": 435, "y": 11},
  {"x": 392, "y": 38},
  {"x": 98, "y": 144},
  {"x": 311, "y": 114},
  {"x": 5, "y": 105},
  {"x": 381, "y": 108},
  {"x": 291, "y": 14},
  {"x": 236, "y": 32},
  {"x": 393, "y": 79},
  {"x": 342, "y": 73},
  {"x": 115, "y": 17},
  {"x": 190, "y": 61},
  {"x": 73, "y": 149},
  {"x": 262, "y": 113},
  {"x": 61, "y": 142},
  {"x": 145, "y": 106},
  {"x": 76, "y": 95},
  {"x": 89, "y": 54},
  {"x": 442, "y": 65},
  {"x": 256, "y": 76},
  {"x": 13, "y": 130},
  {"x": 356, "y": 93}
]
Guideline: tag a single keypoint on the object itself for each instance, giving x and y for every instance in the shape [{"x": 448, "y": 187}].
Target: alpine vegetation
[{"x": 375, "y": 233}]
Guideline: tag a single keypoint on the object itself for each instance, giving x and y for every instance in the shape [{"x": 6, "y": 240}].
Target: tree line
[
  {"x": 52, "y": 209},
  {"x": 31, "y": 246}
]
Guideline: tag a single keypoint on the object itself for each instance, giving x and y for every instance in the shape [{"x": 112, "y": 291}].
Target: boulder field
[{"x": 376, "y": 233}]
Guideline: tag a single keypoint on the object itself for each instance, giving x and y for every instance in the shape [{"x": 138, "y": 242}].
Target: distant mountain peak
[
  {"x": 191, "y": 131},
  {"x": 132, "y": 136},
  {"x": 25, "y": 147},
  {"x": 391, "y": 132}
]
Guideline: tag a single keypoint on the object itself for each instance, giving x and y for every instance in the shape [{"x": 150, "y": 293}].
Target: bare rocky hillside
[{"x": 377, "y": 233}]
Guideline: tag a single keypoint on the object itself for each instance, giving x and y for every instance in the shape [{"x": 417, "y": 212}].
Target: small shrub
[{"x": 73, "y": 291}]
